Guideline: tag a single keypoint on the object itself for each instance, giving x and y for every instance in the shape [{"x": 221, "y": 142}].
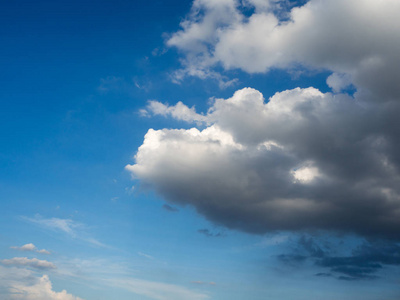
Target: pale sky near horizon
[{"x": 206, "y": 149}]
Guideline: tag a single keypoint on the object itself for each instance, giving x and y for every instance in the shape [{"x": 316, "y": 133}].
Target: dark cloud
[{"x": 364, "y": 262}]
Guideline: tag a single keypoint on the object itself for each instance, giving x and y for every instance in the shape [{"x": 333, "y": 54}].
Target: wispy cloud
[
  {"x": 204, "y": 282},
  {"x": 70, "y": 227},
  {"x": 145, "y": 255},
  {"x": 157, "y": 290}
]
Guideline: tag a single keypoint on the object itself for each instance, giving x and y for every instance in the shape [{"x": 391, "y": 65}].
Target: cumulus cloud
[
  {"x": 359, "y": 38},
  {"x": 28, "y": 262},
  {"x": 30, "y": 247},
  {"x": 23, "y": 284},
  {"x": 304, "y": 159}
]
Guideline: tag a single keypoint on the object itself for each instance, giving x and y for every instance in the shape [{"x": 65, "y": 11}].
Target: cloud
[
  {"x": 67, "y": 226},
  {"x": 170, "y": 208},
  {"x": 145, "y": 255},
  {"x": 358, "y": 38},
  {"x": 208, "y": 233},
  {"x": 203, "y": 282},
  {"x": 338, "y": 82},
  {"x": 23, "y": 284},
  {"x": 157, "y": 290},
  {"x": 30, "y": 247},
  {"x": 70, "y": 227},
  {"x": 302, "y": 160},
  {"x": 42, "y": 290},
  {"x": 274, "y": 240},
  {"x": 26, "y": 262},
  {"x": 117, "y": 274},
  {"x": 364, "y": 262},
  {"x": 179, "y": 111}
]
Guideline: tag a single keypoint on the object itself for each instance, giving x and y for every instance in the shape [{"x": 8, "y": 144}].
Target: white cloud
[
  {"x": 28, "y": 262},
  {"x": 41, "y": 290},
  {"x": 23, "y": 284},
  {"x": 179, "y": 111},
  {"x": 30, "y": 247},
  {"x": 145, "y": 255},
  {"x": 298, "y": 161},
  {"x": 305, "y": 174},
  {"x": 26, "y": 247},
  {"x": 360, "y": 38},
  {"x": 66, "y": 225}
]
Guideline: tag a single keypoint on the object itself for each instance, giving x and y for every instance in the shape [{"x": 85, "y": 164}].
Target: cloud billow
[
  {"x": 301, "y": 160},
  {"x": 358, "y": 40}
]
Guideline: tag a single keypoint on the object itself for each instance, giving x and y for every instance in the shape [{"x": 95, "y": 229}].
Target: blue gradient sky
[{"x": 74, "y": 77}]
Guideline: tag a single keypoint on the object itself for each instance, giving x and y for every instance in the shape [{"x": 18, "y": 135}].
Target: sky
[{"x": 206, "y": 149}]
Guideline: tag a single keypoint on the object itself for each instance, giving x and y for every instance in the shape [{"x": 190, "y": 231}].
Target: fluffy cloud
[
  {"x": 41, "y": 290},
  {"x": 359, "y": 38},
  {"x": 23, "y": 284},
  {"x": 30, "y": 247},
  {"x": 26, "y": 262},
  {"x": 302, "y": 160}
]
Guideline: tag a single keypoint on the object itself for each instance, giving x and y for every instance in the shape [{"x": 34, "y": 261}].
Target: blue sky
[{"x": 215, "y": 149}]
